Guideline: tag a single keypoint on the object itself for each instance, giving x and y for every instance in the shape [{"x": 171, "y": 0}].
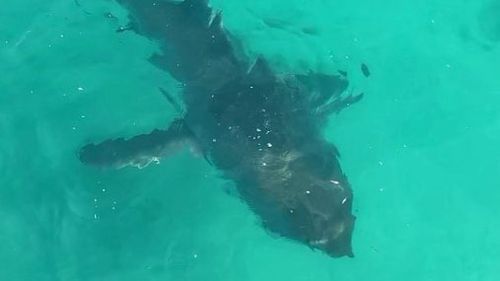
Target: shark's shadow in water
[{"x": 260, "y": 129}]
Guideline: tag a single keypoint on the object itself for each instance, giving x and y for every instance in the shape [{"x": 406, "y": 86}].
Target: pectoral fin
[
  {"x": 323, "y": 86},
  {"x": 328, "y": 92},
  {"x": 138, "y": 151}
]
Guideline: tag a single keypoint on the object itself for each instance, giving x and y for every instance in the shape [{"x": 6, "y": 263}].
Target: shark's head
[
  {"x": 332, "y": 235},
  {"x": 321, "y": 213},
  {"x": 316, "y": 200}
]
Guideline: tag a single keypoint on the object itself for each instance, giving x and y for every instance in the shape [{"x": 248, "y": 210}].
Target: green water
[{"x": 421, "y": 149}]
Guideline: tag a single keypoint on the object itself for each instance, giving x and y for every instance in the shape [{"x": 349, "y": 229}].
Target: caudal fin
[{"x": 190, "y": 35}]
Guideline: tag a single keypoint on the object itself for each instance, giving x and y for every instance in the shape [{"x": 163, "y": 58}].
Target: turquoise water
[{"x": 421, "y": 149}]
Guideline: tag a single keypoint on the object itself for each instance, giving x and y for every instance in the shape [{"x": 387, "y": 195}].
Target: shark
[{"x": 261, "y": 129}]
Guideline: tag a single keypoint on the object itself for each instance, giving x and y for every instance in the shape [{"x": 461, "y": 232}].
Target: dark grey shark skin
[{"x": 261, "y": 129}]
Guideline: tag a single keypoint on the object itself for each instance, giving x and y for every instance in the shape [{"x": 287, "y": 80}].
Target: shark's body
[{"x": 260, "y": 129}]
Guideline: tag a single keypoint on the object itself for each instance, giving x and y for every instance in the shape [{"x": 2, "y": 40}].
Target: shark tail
[{"x": 190, "y": 34}]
